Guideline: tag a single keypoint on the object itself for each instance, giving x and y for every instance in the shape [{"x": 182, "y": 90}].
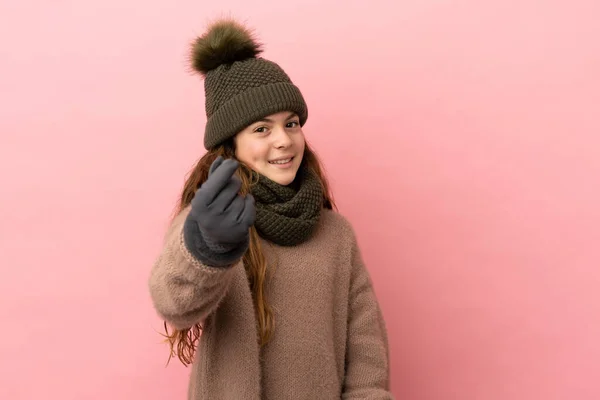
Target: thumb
[{"x": 250, "y": 209}]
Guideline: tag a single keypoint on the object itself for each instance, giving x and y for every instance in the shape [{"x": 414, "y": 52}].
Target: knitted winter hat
[{"x": 240, "y": 87}]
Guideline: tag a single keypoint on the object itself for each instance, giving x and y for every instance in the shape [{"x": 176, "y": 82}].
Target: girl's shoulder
[
  {"x": 334, "y": 222},
  {"x": 333, "y": 217}
]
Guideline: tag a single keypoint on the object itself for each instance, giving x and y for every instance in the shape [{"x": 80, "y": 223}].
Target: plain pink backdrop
[{"x": 461, "y": 138}]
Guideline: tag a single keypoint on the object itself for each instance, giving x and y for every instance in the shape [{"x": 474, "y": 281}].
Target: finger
[
  {"x": 236, "y": 207},
  {"x": 248, "y": 216},
  {"x": 218, "y": 161},
  {"x": 219, "y": 179},
  {"x": 227, "y": 194}
]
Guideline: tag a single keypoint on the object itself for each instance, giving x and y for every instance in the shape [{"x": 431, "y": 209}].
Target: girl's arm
[
  {"x": 185, "y": 291},
  {"x": 367, "y": 352}
]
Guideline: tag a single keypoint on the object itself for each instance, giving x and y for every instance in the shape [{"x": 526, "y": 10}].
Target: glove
[{"x": 216, "y": 231}]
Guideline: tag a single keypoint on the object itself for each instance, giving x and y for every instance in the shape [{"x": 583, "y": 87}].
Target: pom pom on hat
[{"x": 225, "y": 42}]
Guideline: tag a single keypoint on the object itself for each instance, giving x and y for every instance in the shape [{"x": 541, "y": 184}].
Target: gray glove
[{"x": 216, "y": 230}]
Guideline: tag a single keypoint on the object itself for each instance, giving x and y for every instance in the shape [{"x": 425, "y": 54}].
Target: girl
[{"x": 256, "y": 257}]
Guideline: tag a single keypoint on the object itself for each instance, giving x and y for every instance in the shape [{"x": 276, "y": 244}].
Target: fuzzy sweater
[{"x": 329, "y": 341}]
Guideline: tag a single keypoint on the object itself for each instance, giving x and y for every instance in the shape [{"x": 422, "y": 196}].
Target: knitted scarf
[{"x": 287, "y": 215}]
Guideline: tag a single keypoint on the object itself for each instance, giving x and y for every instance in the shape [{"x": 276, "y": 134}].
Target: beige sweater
[{"x": 329, "y": 341}]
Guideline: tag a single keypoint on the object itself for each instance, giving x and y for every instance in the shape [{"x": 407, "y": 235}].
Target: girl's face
[{"x": 273, "y": 147}]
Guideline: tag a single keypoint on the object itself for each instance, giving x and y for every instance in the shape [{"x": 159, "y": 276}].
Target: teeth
[{"x": 281, "y": 161}]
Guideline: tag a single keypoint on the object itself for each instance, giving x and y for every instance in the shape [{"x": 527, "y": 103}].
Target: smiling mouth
[{"x": 284, "y": 161}]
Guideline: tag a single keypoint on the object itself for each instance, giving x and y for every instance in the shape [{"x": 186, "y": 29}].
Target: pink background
[{"x": 461, "y": 139}]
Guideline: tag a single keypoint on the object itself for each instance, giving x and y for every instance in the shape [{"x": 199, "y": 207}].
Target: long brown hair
[{"x": 183, "y": 342}]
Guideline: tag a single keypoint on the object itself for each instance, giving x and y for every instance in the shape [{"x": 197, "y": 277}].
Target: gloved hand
[{"x": 216, "y": 230}]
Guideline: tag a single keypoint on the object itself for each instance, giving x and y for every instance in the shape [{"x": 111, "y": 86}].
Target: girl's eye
[
  {"x": 293, "y": 124},
  {"x": 261, "y": 129}
]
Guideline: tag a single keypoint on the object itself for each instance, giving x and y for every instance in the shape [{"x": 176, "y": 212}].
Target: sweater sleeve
[
  {"x": 184, "y": 291},
  {"x": 367, "y": 354}
]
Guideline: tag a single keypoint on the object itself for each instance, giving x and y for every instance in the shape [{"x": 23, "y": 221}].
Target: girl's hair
[{"x": 183, "y": 342}]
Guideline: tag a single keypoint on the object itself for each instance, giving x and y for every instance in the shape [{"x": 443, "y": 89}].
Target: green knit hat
[{"x": 240, "y": 87}]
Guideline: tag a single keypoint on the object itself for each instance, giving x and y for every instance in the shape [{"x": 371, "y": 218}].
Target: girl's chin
[{"x": 282, "y": 176}]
